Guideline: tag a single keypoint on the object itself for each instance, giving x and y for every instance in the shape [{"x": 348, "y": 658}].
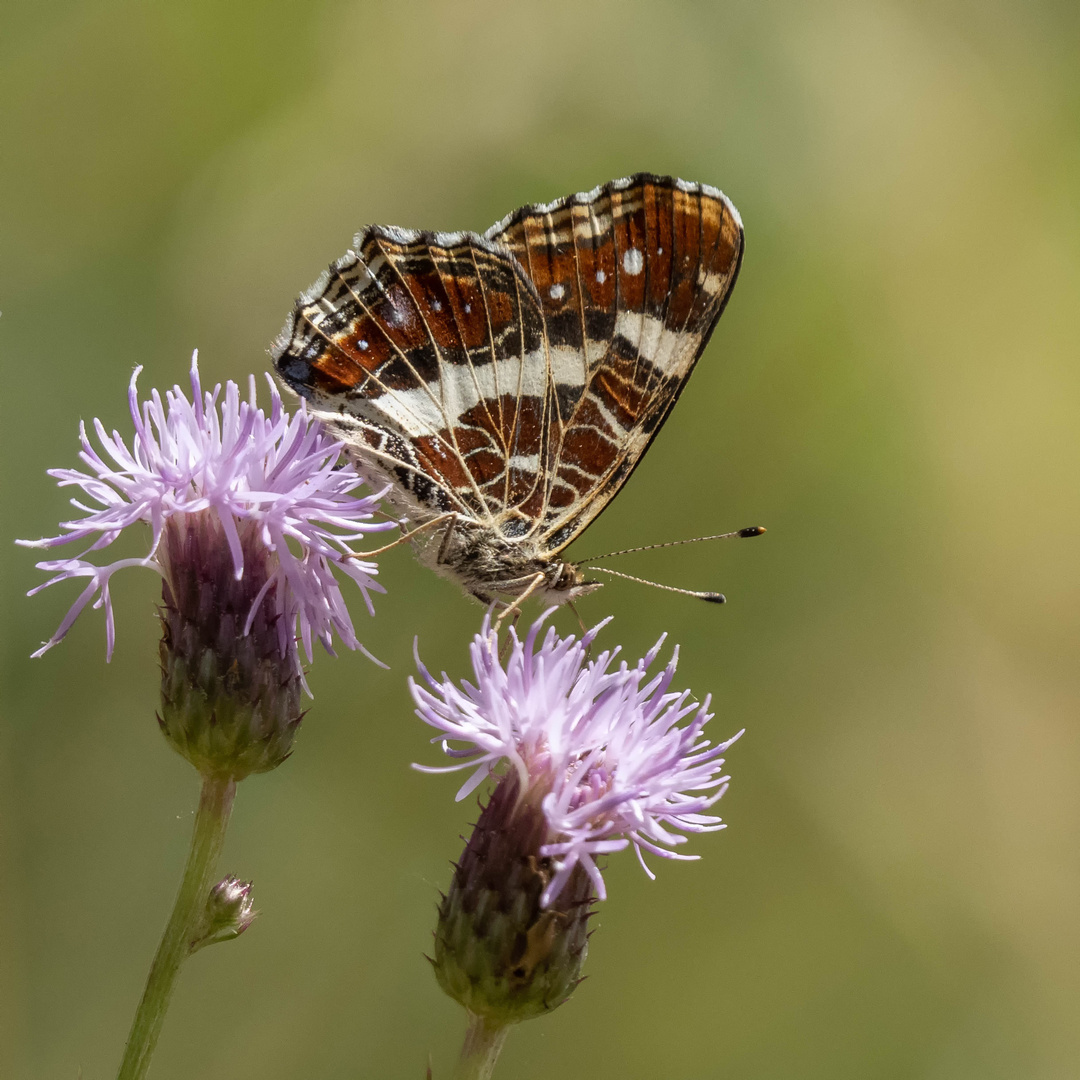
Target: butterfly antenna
[
  {"x": 712, "y": 597},
  {"x": 753, "y": 530}
]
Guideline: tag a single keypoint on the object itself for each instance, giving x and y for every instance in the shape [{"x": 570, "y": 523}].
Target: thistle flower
[
  {"x": 597, "y": 761},
  {"x": 603, "y": 743},
  {"x": 250, "y": 515},
  {"x": 279, "y": 473}
]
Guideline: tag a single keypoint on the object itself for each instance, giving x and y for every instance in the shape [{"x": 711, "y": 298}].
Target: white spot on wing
[
  {"x": 633, "y": 262},
  {"x": 529, "y": 463},
  {"x": 666, "y": 349},
  {"x": 567, "y": 365},
  {"x": 709, "y": 283},
  {"x": 601, "y": 276},
  {"x": 557, "y": 291}
]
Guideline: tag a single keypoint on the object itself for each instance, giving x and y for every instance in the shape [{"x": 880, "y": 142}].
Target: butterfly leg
[
  {"x": 504, "y": 648},
  {"x": 584, "y": 628},
  {"x": 514, "y": 608},
  {"x": 451, "y": 516},
  {"x": 577, "y": 615},
  {"x": 493, "y": 643},
  {"x": 451, "y": 519}
]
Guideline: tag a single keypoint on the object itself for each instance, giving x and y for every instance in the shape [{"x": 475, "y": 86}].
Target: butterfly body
[
  {"x": 505, "y": 385},
  {"x": 489, "y": 567}
]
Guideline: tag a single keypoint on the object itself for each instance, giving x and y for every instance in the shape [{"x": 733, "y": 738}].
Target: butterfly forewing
[{"x": 516, "y": 377}]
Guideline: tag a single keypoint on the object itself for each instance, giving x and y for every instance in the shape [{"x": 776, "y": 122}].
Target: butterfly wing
[
  {"x": 517, "y": 377},
  {"x": 631, "y": 278},
  {"x": 423, "y": 351}
]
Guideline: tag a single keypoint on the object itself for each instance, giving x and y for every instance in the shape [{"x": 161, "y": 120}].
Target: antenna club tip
[
  {"x": 714, "y": 598},
  {"x": 753, "y": 530}
]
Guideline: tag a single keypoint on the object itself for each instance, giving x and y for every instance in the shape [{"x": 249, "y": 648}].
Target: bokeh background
[{"x": 893, "y": 391}]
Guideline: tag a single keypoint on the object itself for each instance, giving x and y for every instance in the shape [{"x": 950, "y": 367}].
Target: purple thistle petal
[
  {"x": 612, "y": 749},
  {"x": 215, "y": 451}
]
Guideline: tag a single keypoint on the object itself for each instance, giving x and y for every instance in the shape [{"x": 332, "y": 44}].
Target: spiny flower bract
[
  {"x": 602, "y": 739},
  {"x": 219, "y": 454}
]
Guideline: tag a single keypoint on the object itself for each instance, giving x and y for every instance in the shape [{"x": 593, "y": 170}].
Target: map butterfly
[{"x": 506, "y": 385}]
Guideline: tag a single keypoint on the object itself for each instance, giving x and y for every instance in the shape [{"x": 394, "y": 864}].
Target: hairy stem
[
  {"x": 483, "y": 1042},
  {"x": 211, "y": 820}
]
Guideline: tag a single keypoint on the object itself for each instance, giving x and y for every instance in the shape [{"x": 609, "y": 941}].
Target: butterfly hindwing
[{"x": 415, "y": 346}]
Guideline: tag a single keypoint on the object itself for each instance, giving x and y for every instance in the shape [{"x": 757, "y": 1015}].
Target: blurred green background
[{"x": 893, "y": 391}]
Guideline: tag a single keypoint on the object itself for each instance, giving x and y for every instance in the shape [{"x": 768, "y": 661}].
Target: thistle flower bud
[
  {"x": 229, "y": 911},
  {"x": 230, "y": 701},
  {"x": 498, "y": 951}
]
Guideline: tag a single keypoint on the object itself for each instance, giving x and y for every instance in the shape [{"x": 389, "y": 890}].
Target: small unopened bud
[
  {"x": 228, "y": 913},
  {"x": 230, "y": 692},
  {"x": 497, "y": 950}
]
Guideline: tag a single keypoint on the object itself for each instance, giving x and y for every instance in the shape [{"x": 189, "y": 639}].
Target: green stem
[
  {"x": 211, "y": 820},
  {"x": 483, "y": 1042}
]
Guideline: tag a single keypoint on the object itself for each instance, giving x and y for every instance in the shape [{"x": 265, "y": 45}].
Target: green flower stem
[
  {"x": 483, "y": 1042},
  {"x": 211, "y": 820}
]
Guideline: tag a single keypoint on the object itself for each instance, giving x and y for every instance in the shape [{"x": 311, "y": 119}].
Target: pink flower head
[
  {"x": 601, "y": 743},
  {"x": 279, "y": 475}
]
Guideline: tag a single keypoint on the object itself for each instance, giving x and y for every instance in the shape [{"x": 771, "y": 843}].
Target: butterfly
[{"x": 505, "y": 385}]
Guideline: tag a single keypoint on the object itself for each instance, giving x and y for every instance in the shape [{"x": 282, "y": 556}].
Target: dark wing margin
[{"x": 632, "y": 278}]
